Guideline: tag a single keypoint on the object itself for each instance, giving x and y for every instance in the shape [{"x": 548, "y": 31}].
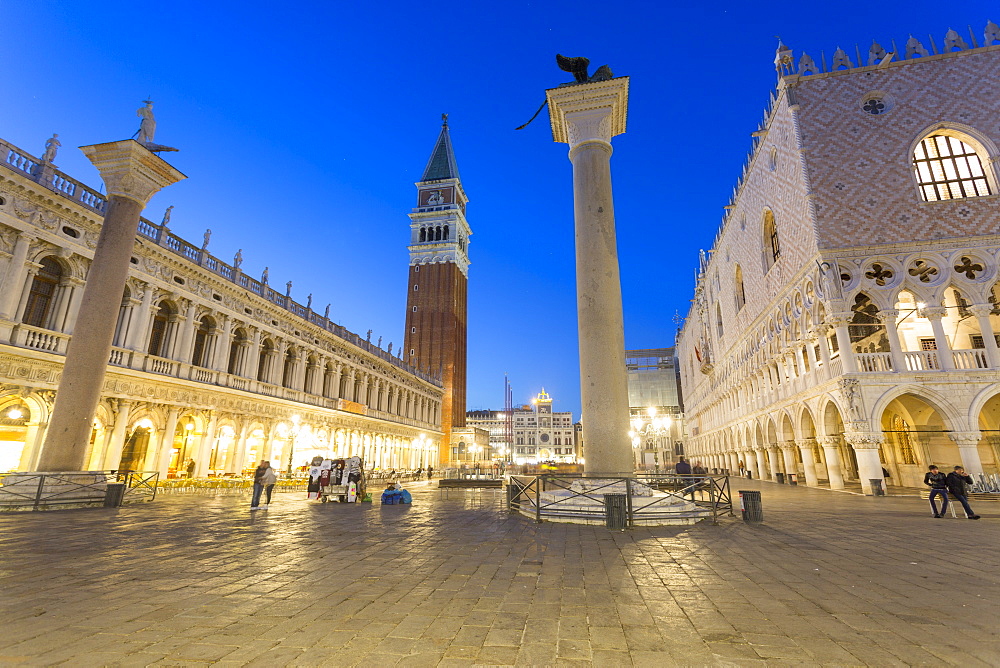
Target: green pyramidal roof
[{"x": 442, "y": 164}]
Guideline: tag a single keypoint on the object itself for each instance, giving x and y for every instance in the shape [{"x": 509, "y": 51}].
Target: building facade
[
  {"x": 655, "y": 411},
  {"x": 846, "y": 318},
  {"x": 541, "y": 435},
  {"x": 436, "y": 307},
  {"x": 208, "y": 366}
]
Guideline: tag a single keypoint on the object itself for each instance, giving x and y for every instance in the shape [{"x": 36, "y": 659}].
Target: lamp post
[
  {"x": 291, "y": 443},
  {"x": 648, "y": 429}
]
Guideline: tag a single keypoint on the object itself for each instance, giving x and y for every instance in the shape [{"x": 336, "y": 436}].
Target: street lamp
[
  {"x": 649, "y": 428},
  {"x": 291, "y": 444}
]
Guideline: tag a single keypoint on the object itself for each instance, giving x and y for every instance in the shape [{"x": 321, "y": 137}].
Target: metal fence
[
  {"x": 50, "y": 491},
  {"x": 710, "y": 494}
]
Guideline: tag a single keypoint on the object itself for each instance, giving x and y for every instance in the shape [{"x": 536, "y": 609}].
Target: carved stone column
[
  {"x": 165, "y": 447},
  {"x": 968, "y": 450},
  {"x": 840, "y": 322},
  {"x": 791, "y": 465},
  {"x": 586, "y": 116},
  {"x": 834, "y": 471},
  {"x": 17, "y": 274},
  {"x": 935, "y": 314},
  {"x": 759, "y": 454},
  {"x": 888, "y": 318},
  {"x": 865, "y": 446},
  {"x": 113, "y": 454},
  {"x": 808, "y": 461},
  {"x": 135, "y": 338},
  {"x": 772, "y": 460},
  {"x": 982, "y": 313},
  {"x": 132, "y": 174}
]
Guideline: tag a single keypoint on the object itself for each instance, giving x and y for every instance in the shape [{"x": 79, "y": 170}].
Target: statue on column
[
  {"x": 208, "y": 235},
  {"x": 263, "y": 277},
  {"x": 166, "y": 216},
  {"x": 309, "y": 301},
  {"x": 147, "y": 126},
  {"x": 326, "y": 314},
  {"x": 52, "y": 145},
  {"x": 238, "y": 259},
  {"x": 288, "y": 289}
]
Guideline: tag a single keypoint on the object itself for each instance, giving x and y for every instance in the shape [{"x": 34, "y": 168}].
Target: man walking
[
  {"x": 957, "y": 481},
  {"x": 682, "y": 467},
  {"x": 938, "y": 482}
]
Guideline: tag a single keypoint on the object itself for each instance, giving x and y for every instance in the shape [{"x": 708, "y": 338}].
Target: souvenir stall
[{"x": 340, "y": 480}]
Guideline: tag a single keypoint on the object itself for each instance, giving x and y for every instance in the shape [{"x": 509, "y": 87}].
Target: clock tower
[{"x": 435, "y": 336}]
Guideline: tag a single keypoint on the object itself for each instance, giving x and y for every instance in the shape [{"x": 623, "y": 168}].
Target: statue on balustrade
[
  {"x": 166, "y": 216},
  {"x": 238, "y": 259},
  {"x": 51, "y": 146},
  {"x": 263, "y": 277},
  {"x": 208, "y": 235}
]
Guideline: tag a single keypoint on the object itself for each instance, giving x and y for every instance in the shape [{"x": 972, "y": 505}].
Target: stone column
[
  {"x": 73, "y": 308},
  {"x": 17, "y": 273},
  {"x": 935, "y": 314},
  {"x": 132, "y": 174},
  {"x": 968, "y": 450},
  {"x": 824, "y": 346},
  {"x": 788, "y": 455},
  {"x": 113, "y": 453},
  {"x": 759, "y": 454},
  {"x": 772, "y": 460},
  {"x": 166, "y": 446},
  {"x": 201, "y": 460},
  {"x": 22, "y": 303},
  {"x": 849, "y": 362},
  {"x": 223, "y": 340},
  {"x": 831, "y": 450},
  {"x": 135, "y": 339},
  {"x": 865, "y": 446},
  {"x": 808, "y": 462},
  {"x": 982, "y": 313},
  {"x": 888, "y": 318},
  {"x": 240, "y": 456},
  {"x": 586, "y": 116}
]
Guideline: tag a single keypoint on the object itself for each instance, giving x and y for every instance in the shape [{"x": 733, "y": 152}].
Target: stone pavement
[{"x": 829, "y": 579}]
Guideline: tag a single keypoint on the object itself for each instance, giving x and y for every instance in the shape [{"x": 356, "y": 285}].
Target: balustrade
[
  {"x": 160, "y": 365},
  {"x": 873, "y": 362},
  {"x": 921, "y": 360},
  {"x": 40, "y": 339},
  {"x": 970, "y": 359}
]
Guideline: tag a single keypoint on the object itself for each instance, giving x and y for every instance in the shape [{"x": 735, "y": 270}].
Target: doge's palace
[
  {"x": 845, "y": 323},
  {"x": 210, "y": 368}
]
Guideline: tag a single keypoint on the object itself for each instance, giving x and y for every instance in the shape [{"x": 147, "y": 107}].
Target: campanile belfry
[{"x": 439, "y": 266}]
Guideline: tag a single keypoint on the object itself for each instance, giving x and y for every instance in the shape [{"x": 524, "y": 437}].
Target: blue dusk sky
[{"x": 303, "y": 126}]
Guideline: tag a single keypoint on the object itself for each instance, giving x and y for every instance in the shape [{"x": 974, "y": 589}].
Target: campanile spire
[{"x": 435, "y": 337}]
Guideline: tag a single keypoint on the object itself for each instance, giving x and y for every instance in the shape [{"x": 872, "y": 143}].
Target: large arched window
[
  {"x": 288, "y": 371},
  {"x": 42, "y": 293},
  {"x": 236, "y": 350},
  {"x": 263, "y": 362},
  {"x": 772, "y": 247},
  {"x": 948, "y": 168},
  {"x": 158, "y": 332},
  {"x": 741, "y": 295}
]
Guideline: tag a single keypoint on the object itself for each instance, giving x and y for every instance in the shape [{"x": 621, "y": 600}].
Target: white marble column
[
  {"x": 888, "y": 318},
  {"x": 135, "y": 338},
  {"x": 166, "y": 445},
  {"x": 132, "y": 174},
  {"x": 982, "y": 313},
  {"x": 968, "y": 450},
  {"x": 16, "y": 275},
  {"x": 848, "y": 361},
  {"x": 936, "y": 314},
  {"x": 791, "y": 464},
  {"x": 113, "y": 453},
  {"x": 586, "y": 116},
  {"x": 865, "y": 446},
  {"x": 808, "y": 462}
]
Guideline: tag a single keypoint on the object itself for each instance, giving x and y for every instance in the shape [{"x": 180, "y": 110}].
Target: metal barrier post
[
  {"x": 538, "y": 499},
  {"x": 877, "y": 489},
  {"x": 114, "y": 495},
  {"x": 628, "y": 500},
  {"x": 750, "y": 506}
]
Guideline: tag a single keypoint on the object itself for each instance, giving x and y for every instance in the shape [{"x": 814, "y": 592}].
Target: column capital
[
  {"x": 864, "y": 440},
  {"x": 131, "y": 170},
  {"x": 934, "y": 312},
  {"x": 805, "y": 442},
  {"x": 981, "y": 310},
  {"x": 788, "y": 445},
  {"x": 828, "y": 441},
  {"x": 588, "y": 112},
  {"x": 888, "y": 315},
  {"x": 965, "y": 439},
  {"x": 839, "y": 319}
]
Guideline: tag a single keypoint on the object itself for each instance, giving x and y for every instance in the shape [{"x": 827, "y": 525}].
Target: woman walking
[{"x": 264, "y": 478}]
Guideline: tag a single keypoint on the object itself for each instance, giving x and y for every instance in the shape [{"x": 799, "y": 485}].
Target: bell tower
[{"x": 436, "y": 304}]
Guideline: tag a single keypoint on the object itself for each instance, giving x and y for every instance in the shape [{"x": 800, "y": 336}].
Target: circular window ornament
[
  {"x": 544, "y": 438},
  {"x": 877, "y": 103}
]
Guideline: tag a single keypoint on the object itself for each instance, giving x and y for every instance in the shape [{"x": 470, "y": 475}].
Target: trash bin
[
  {"x": 114, "y": 495},
  {"x": 616, "y": 511},
  {"x": 877, "y": 488},
  {"x": 749, "y": 474},
  {"x": 780, "y": 477},
  {"x": 750, "y": 506},
  {"x": 793, "y": 478}
]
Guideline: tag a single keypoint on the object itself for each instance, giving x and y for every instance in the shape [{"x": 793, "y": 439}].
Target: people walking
[
  {"x": 430, "y": 472},
  {"x": 269, "y": 478},
  {"x": 938, "y": 482},
  {"x": 682, "y": 467},
  {"x": 957, "y": 481}
]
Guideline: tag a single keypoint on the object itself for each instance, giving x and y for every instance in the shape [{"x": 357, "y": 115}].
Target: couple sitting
[{"x": 394, "y": 493}]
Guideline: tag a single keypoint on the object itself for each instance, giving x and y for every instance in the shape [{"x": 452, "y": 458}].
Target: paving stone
[{"x": 829, "y": 579}]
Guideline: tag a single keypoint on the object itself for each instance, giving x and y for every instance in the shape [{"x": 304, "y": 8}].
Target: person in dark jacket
[
  {"x": 682, "y": 467},
  {"x": 938, "y": 482},
  {"x": 956, "y": 481}
]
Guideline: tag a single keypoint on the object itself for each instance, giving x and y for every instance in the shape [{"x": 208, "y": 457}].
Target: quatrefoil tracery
[
  {"x": 968, "y": 267},
  {"x": 879, "y": 274},
  {"x": 923, "y": 271}
]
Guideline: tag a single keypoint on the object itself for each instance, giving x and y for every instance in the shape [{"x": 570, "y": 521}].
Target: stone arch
[{"x": 952, "y": 418}]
